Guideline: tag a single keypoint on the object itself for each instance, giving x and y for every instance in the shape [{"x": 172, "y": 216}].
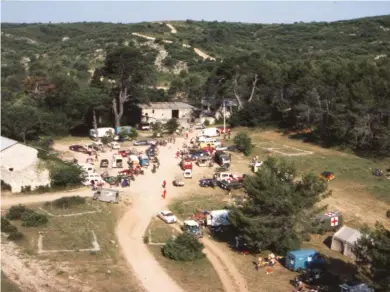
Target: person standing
[
  {"x": 164, "y": 183},
  {"x": 164, "y": 194}
]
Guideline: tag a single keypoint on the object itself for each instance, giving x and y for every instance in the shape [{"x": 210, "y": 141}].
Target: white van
[
  {"x": 101, "y": 132},
  {"x": 97, "y": 178},
  {"x": 107, "y": 195},
  {"x": 211, "y": 132},
  {"x": 88, "y": 168}
]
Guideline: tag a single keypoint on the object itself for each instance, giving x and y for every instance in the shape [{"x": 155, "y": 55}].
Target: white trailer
[
  {"x": 218, "y": 218},
  {"x": 210, "y": 132},
  {"x": 101, "y": 132},
  {"x": 107, "y": 195}
]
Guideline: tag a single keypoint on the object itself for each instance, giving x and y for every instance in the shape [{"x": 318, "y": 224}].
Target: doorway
[{"x": 175, "y": 114}]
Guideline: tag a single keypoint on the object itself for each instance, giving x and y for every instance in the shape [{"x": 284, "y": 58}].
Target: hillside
[{"x": 190, "y": 59}]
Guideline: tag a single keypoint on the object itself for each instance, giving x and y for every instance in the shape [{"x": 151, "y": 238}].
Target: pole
[{"x": 224, "y": 118}]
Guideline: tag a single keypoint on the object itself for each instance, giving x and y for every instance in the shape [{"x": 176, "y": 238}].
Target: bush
[
  {"x": 5, "y": 186},
  {"x": 16, "y": 212},
  {"x": 66, "y": 175},
  {"x": 388, "y": 213},
  {"x": 133, "y": 133},
  {"x": 6, "y": 226},
  {"x": 243, "y": 143},
  {"x": 172, "y": 125},
  {"x": 186, "y": 247},
  {"x": 66, "y": 202},
  {"x": 207, "y": 123},
  {"x": 26, "y": 189},
  {"x": 33, "y": 219},
  {"x": 15, "y": 235}
]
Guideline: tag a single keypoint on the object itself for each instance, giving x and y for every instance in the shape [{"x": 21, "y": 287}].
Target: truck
[
  {"x": 218, "y": 218},
  {"x": 101, "y": 132},
  {"x": 210, "y": 132},
  {"x": 186, "y": 164},
  {"x": 222, "y": 158},
  {"x": 227, "y": 176},
  {"x": 304, "y": 259},
  {"x": 107, "y": 195}
]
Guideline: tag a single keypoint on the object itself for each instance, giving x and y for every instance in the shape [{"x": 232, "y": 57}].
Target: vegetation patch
[
  {"x": 185, "y": 247},
  {"x": 159, "y": 232}
]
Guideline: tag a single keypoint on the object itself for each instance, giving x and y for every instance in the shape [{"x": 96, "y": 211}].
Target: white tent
[{"x": 344, "y": 241}]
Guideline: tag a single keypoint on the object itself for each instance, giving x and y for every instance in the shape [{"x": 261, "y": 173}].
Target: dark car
[
  {"x": 78, "y": 148},
  {"x": 197, "y": 155},
  {"x": 233, "y": 185},
  {"x": 141, "y": 143},
  {"x": 207, "y": 182}
]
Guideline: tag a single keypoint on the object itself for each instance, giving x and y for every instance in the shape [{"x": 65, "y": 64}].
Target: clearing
[
  {"x": 75, "y": 269},
  {"x": 191, "y": 276}
]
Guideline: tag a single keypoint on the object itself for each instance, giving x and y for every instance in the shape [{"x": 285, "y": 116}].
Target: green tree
[
  {"x": 185, "y": 247},
  {"x": 243, "y": 143},
  {"x": 128, "y": 68},
  {"x": 372, "y": 251},
  {"x": 274, "y": 217},
  {"x": 172, "y": 125}
]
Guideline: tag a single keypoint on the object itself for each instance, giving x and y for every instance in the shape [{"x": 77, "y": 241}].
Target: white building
[
  {"x": 164, "y": 111},
  {"x": 20, "y": 166}
]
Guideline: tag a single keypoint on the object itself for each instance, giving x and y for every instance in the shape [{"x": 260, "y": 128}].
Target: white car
[
  {"x": 97, "y": 178},
  {"x": 167, "y": 217},
  {"x": 200, "y": 127},
  {"x": 115, "y": 145}
]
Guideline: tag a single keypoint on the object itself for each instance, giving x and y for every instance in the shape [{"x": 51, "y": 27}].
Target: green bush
[
  {"x": 172, "y": 125},
  {"x": 133, "y": 133},
  {"x": 6, "y": 226},
  {"x": 186, "y": 247},
  {"x": 16, "y": 212},
  {"x": 66, "y": 175},
  {"x": 66, "y": 202},
  {"x": 207, "y": 123},
  {"x": 33, "y": 219},
  {"x": 5, "y": 186},
  {"x": 243, "y": 143},
  {"x": 15, "y": 235}
]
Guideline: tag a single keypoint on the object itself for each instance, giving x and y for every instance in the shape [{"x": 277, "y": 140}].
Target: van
[
  {"x": 211, "y": 132},
  {"x": 97, "y": 178},
  {"x": 107, "y": 195},
  {"x": 88, "y": 168},
  {"x": 101, "y": 132},
  {"x": 222, "y": 158},
  {"x": 117, "y": 161}
]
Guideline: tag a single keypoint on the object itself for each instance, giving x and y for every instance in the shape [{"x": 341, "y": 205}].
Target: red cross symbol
[{"x": 334, "y": 221}]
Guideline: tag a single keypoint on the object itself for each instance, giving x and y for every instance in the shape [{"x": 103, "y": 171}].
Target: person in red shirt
[
  {"x": 164, "y": 183},
  {"x": 164, "y": 193}
]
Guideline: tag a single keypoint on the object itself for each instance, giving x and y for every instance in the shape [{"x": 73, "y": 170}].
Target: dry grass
[
  {"x": 72, "y": 210},
  {"x": 191, "y": 276},
  {"x": 159, "y": 231},
  {"x": 7, "y": 285},
  {"x": 74, "y": 233}
]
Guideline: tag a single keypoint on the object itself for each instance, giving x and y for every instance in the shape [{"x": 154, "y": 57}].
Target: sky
[{"x": 138, "y": 11}]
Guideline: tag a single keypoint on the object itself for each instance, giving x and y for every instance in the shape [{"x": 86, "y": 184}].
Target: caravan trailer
[
  {"x": 107, "y": 195},
  {"x": 101, "y": 132}
]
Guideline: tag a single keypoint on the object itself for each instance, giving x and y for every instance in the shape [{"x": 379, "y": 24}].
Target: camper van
[
  {"x": 210, "y": 132},
  {"x": 88, "y": 168},
  {"x": 117, "y": 161},
  {"x": 107, "y": 195},
  {"x": 218, "y": 218},
  {"x": 101, "y": 132}
]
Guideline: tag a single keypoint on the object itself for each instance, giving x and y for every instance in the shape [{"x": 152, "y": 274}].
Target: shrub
[
  {"x": 16, "y": 212},
  {"x": 5, "y": 186},
  {"x": 26, "y": 189},
  {"x": 133, "y": 133},
  {"x": 15, "y": 235},
  {"x": 66, "y": 202},
  {"x": 186, "y": 247},
  {"x": 388, "y": 213},
  {"x": 172, "y": 125},
  {"x": 67, "y": 175},
  {"x": 207, "y": 123},
  {"x": 33, "y": 219},
  {"x": 6, "y": 226},
  {"x": 243, "y": 143}
]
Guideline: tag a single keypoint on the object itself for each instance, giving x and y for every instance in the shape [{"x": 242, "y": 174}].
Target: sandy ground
[
  {"x": 145, "y": 195},
  {"x": 173, "y": 30}
]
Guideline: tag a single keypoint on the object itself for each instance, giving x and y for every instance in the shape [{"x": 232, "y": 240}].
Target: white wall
[
  {"x": 165, "y": 114},
  {"x": 24, "y": 161}
]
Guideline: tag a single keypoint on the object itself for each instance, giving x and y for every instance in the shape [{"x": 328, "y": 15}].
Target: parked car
[
  {"x": 232, "y": 185},
  {"x": 144, "y": 127},
  {"x": 192, "y": 227},
  {"x": 141, "y": 143},
  {"x": 97, "y": 178},
  {"x": 78, "y": 148},
  {"x": 115, "y": 145},
  {"x": 200, "y": 127},
  {"x": 187, "y": 173},
  {"x": 167, "y": 216},
  {"x": 179, "y": 181},
  {"x": 104, "y": 163},
  {"x": 207, "y": 182}
]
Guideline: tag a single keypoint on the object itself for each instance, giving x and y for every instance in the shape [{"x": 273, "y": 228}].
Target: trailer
[
  {"x": 304, "y": 259},
  {"x": 107, "y": 195},
  {"x": 101, "y": 132},
  {"x": 218, "y": 218}
]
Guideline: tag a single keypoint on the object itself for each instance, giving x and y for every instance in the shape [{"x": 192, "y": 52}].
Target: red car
[
  {"x": 221, "y": 130},
  {"x": 78, "y": 148},
  {"x": 123, "y": 153}
]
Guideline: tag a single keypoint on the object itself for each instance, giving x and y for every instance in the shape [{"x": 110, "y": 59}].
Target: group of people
[{"x": 164, "y": 193}]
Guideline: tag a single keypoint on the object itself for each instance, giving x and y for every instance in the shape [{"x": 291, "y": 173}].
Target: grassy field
[
  {"x": 191, "y": 276},
  {"x": 346, "y": 166},
  {"x": 7, "y": 285},
  {"x": 74, "y": 233}
]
